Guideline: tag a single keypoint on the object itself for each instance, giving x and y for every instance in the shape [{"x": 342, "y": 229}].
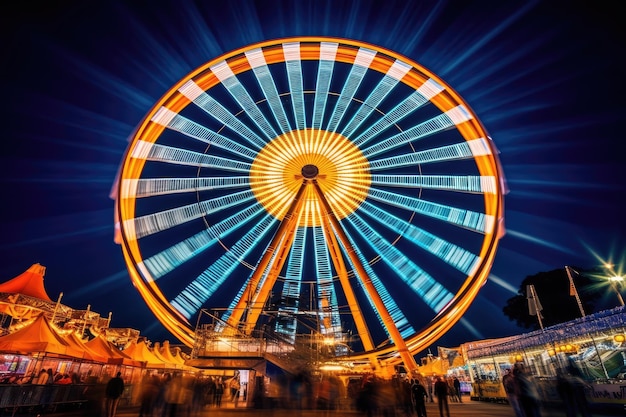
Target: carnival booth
[{"x": 592, "y": 348}]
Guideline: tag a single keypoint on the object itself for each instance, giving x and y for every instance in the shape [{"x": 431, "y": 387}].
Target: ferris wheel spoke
[
  {"x": 163, "y": 220},
  {"x": 331, "y": 323},
  {"x": 393, "y": 76},
  {"x": 434, "y": 294},
  {"x": 168, "y": 154},
  {"x": 295, "y": 78},
  {"x": 253, "y": 294},
  {"x": 212, "y": 107},
  {"x": 362, "y": 62},
  {"x": 457, "y": 183},
  {"x": 178, "y": 123},
  {"x": 458, "y": 151},
  {"x": 190, "y": 300},
  {"x": 172, "y": 257},
  {"x": 328, "y": 51},
  {"x": 452, "y": 254},
  {"x": 247, "y": 295},
  {"x": 289, "y": 306},
  {"x": 407, "y": 106},
  {"x": 447, "y": 120},
  {"x": 151, "y": 187},
  {"x": 401, "y": 322},
  {"x": 256, "y": 59},
  {"x": 335, "y": 251},
  {"x": 226, "y": 76},
  {"x": 478, "y": 222}
]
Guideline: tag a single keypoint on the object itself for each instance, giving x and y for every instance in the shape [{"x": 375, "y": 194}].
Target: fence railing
[{"x": 53, "y": 396}]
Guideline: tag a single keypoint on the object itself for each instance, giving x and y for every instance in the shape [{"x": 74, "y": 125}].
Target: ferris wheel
[{"x": 312, "y": 177}]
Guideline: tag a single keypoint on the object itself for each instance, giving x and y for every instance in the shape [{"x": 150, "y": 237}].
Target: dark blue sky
[{"x": 545, "y": 78}]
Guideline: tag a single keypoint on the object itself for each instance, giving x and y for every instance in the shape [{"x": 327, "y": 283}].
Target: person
[
  {"x": 431, "y": 382},
  {"x": 571, "y": 389},
  {"x": 66, "y": 379},
  {"x": 113, "y": 392},
  {"x": 176, "y": 396},
  {"x": 219, "y": 392},
  {"x": 457, "y": 388},
  {"x": 42, "y": 379},
  {"x": 148, "y": 395},
  {"x": 234, "y": 386},
  {"x": 38, "y": 392},
  {"x": 441, "y": 391},
  {"x": 510, "y": 389},
  {"x": 527, "y": 391},
  {"x": 419, "y": 394},
  {"x": 27, "y": 379}
]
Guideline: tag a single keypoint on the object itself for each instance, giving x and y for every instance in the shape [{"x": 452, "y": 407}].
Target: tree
[{"x": 553, "y": 291}]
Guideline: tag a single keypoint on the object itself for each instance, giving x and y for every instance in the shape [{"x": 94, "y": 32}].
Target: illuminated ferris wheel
[{"x": 312, "y": 177}]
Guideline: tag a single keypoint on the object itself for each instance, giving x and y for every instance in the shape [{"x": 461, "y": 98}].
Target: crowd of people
[
  {"x": 177, "y": 394},
  {"x": 378, "y": 397},
  {"x": 369, "y": 395},
  {"x": 43, "y": 377},
  {"x": 525, "y": 399}
]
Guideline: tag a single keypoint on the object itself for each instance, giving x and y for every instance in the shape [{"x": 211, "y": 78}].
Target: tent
[
  {"x": 39, "y": 337},
  {"x": 163, "y": 356},
  {"x": 88, "y": 353},
  {"x": 24, "y": 297},
  {"x": 179, "y": 355},
  {"x": 28, "y": 283},
  {"x": 166, "y": 352},
  {"x": 114, "y": 355},
  {"x": 139, "y": 351}
]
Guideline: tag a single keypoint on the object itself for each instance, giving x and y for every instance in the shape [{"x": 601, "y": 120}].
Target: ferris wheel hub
[{"x": 310, "y": 171}]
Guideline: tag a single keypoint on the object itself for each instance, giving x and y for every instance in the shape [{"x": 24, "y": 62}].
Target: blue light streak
[
  {"x": 433, "y": 293},
  {"x": 174, "y": 256},
  {"x": 241, "y": 95},
  {"x": 357, "y": 72},
  {"x": 454, "y": 255},
  {"x": 436, "y": 124},
  {"x": 266, "y": 81},
  {"x": 468, "y": 219},
  {"x": 191, "y": 299}
]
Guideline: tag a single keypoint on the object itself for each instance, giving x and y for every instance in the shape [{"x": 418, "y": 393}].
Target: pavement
[{"x": 465, "y": 409}]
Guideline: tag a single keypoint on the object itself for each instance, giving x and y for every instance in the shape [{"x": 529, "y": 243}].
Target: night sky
[{"x": 545, "y": 78}]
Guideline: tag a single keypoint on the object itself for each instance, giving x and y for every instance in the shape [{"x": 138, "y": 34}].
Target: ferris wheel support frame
[
  {"x": 398, "y": 340},
  {"x": 248, "y": 296},
  {"x": 254, "y": 296}
]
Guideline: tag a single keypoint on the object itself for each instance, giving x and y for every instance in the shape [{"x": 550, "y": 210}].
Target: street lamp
[{"x": 613, "y": 280}]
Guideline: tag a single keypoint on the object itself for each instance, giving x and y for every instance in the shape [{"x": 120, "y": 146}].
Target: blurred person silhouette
[
  {"x": 441, "y": 391},
  {"x": 528, "y": 394},
  {"x": 406, "y": 398},
  {"x": 419, "y": 395},
  {"x": 198, "y": 390},
  {"x": 42, "y": 378},
  {"x": 148, "y": 395},
  {"x": 234, "y": 386},
  {"x": 386, "y": 399},
  {"x": 219, "y": 392},
  {"x": 571, "y": 388},
  {"x": 177, "y": 396},
  {"x": 511, "y": 391},
  {"x": 368, "y": 396},
  {"x": 457, "y": 388},
  {"x": 113, "y": 392}
]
